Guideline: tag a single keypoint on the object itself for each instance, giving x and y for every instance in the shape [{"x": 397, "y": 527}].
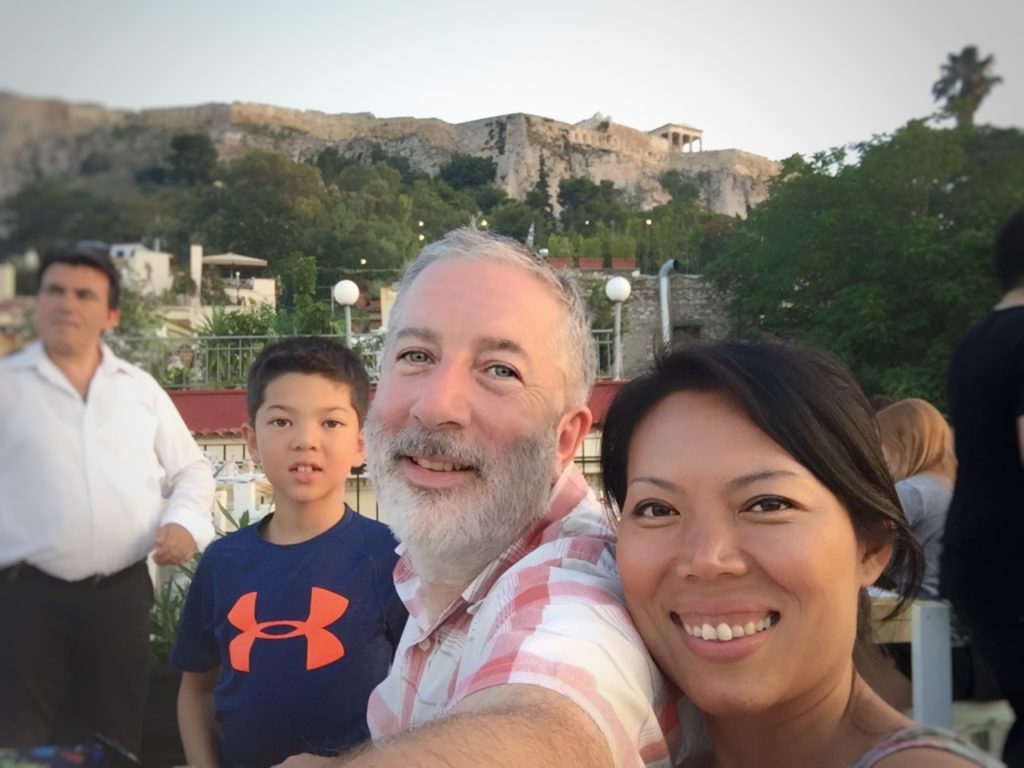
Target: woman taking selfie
[{"x": 755, "y": 510}]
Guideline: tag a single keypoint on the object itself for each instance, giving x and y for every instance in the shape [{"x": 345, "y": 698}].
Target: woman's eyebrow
[
  {"x": 735, "y": 484},
  {"x": 762, "y": 474},
  {"x": 659, "y": 482}
]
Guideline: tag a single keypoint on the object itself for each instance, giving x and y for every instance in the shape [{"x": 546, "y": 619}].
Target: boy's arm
[{"x": 197, "y": 719}]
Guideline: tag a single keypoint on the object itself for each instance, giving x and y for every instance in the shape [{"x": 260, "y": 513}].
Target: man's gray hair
[{"x": 577, "y": 353}]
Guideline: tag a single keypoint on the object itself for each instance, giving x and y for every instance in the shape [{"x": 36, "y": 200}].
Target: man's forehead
[
  {"x": 476, "y": 282},
  {"x": 75, "y": 275}
]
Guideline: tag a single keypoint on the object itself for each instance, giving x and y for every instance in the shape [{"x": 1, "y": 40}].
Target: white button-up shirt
[{"x": 84, "y": 484}]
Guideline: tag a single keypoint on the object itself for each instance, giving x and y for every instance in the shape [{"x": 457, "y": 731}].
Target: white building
[{"x": 145, "y": 270}]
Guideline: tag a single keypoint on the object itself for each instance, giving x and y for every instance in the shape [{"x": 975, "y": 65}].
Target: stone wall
[
  {"x": 697, "y": 310},
  {"x": 42, "y": 139}
]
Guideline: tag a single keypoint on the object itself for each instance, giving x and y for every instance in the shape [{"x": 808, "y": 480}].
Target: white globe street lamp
[
  {"x": 617, "y": 290},
  {"x": 346, "y": 293}
]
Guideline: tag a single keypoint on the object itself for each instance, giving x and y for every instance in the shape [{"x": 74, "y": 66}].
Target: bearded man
[{"x": 518, "y": 650}]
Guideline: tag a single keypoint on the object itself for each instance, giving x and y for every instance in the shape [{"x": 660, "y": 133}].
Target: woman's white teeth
[{"x": 724, "y": 632}]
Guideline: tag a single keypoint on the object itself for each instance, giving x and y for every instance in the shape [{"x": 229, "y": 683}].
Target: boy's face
[{"x": 307, "y": 437}]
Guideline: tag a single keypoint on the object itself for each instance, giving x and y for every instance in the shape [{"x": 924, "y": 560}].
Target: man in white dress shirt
[{"x": 97, "y": 470}]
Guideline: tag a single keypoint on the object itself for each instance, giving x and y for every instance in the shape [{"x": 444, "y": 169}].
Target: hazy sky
[{"x": 768, "y": 76}]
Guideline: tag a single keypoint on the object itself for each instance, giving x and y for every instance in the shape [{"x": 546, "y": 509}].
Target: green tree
[
  {"x": 885, "y": 260},
  {"x": 255, "y": 321},
  {"x": 584, "y": 201},
  {"x": 266, "y": 206},
  {"x": 464, "y": 171},
  {"x": 512, "y": 219},
  {"x": 330, "y": 162},
  {"x": 965, "y": 82},
  {"x": 53, "y": 212},
  {"x": 193, "y": 159},
  {"x": 305, "y": 316},
  {"x": 298, "y": 276},
  {"x": 681, "y": 188},
  {"x": 539, "y": 198},
  {"x": 139, "y": 315}
]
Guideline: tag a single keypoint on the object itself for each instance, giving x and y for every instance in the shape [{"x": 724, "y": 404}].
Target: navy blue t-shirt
[{"x": 302, "y": 633}]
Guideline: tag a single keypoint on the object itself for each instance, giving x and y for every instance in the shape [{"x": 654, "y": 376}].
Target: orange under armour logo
[{"x": 322, "y": 647}]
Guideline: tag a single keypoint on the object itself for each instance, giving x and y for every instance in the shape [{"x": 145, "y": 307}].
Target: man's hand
[{"x": 173, "y": 545}]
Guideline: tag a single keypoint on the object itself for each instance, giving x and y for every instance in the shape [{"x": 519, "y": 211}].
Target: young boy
[{"x": 290, "y": 623}]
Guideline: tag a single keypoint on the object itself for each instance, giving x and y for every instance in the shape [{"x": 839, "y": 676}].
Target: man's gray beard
[{"x": 459, "y": 530}]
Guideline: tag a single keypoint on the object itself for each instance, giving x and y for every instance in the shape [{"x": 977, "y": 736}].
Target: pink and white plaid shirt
[{"x": 548, "y": 612}]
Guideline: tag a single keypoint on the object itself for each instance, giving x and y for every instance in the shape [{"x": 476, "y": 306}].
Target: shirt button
[{"x": 425, "y": 644}]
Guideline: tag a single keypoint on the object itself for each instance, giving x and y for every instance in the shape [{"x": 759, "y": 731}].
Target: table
[{"x": 925, "y": 625}]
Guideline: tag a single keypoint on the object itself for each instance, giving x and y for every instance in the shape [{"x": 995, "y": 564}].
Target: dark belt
[{"x": 25, "y": 572}]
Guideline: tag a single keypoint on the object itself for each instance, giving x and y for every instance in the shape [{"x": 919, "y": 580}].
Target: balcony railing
[{"x": 222, "y": 362}]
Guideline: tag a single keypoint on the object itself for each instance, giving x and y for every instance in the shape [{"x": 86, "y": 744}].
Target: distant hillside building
[
  {"x": 680, "y": 137},
  {"x": 148, "y": 271}
]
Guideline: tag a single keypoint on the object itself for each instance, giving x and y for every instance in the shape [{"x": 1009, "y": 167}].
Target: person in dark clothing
[{"x": 984, "y": 534}]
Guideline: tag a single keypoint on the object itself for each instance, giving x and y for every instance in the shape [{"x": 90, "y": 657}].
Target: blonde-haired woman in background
[{"x": 918, "y": 447}]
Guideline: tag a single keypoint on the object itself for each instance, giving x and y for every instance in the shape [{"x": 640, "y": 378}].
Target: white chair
[{"x": 984, "y": 723}]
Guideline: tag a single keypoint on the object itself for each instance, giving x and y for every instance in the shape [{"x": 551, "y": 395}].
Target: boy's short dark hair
[
  {"x": 1010, "y": 252},
  {"x": 309, "y": 355},
  {"x": 86, "y": 257}
]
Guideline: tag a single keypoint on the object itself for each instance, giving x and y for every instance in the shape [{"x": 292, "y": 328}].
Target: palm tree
[{"x": 964, "y": 84}]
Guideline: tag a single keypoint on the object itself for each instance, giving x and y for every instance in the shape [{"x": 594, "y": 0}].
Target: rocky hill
[{"x": 42, "y": 139}]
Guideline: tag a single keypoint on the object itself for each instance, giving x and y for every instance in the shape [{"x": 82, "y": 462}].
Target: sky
[{"x": 772, "y": 77}]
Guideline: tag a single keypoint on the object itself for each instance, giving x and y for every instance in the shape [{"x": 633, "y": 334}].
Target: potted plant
[{"x": 161, "y": 741}]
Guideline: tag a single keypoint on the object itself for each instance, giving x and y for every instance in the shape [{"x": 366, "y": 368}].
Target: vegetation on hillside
[{"x": 878, "y": 251}]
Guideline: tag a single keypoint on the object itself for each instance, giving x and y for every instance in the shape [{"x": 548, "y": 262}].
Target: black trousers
[
  {"x": 988, "y": 595},
  {"x": 74, "y": 657}
]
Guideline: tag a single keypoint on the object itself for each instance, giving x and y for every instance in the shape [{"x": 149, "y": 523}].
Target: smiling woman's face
[{"x": 741, "y": 570}]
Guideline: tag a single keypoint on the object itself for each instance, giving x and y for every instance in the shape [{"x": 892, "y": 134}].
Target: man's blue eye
[
  {"x": 415, "y": 356},
  {"x": 503, "y": 371}
]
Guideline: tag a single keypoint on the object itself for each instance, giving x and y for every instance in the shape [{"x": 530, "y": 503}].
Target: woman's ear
[{"x": 874, "y": 557}]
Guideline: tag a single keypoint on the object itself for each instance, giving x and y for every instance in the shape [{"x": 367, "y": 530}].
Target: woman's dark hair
[{"x": 806, "y": 401}]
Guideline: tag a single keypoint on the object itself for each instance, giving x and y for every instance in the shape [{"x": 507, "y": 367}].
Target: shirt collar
[
  {"x": 34, "y": 357},
  {"x": 568, "y": 491},
  {"x": 111, "y": 363},
  {"x": 33, "y": 354}
]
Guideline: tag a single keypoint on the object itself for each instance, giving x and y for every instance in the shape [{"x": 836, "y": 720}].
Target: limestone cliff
[{"x": 42, "y": 139}]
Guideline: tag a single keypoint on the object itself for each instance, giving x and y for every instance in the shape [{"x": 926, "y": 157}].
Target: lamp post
[
  {"x": 617, "y": 290},
  {"x": 346, "y": 293}
]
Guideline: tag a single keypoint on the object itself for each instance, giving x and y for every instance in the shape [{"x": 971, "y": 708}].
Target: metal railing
[
  {"x": 215, "y": 362},
  {"x": 222, "y": 362}
]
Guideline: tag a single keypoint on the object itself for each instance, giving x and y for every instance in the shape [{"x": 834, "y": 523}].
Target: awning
[{"x": 233, "y": 260}]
